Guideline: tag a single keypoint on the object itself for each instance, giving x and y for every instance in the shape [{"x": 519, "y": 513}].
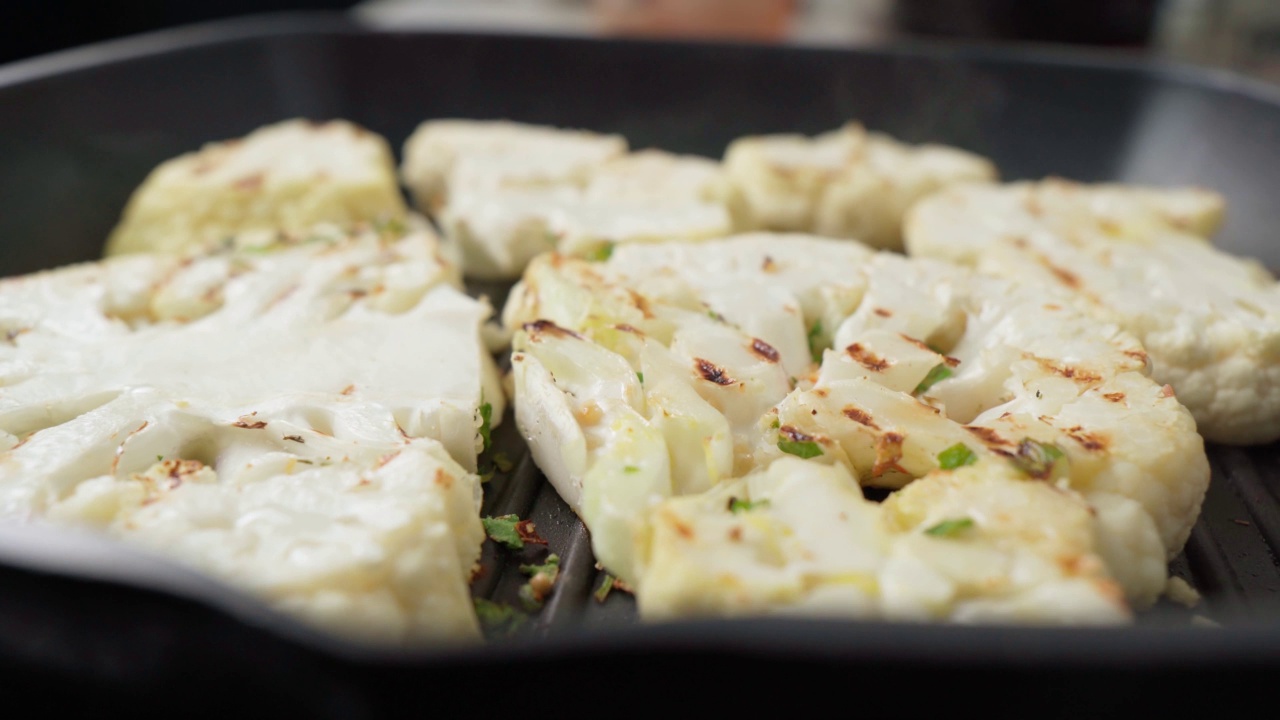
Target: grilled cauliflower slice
[
  {"x": 974, "y": 545},
  {"x": 933, "y": 369},
  {"x": 845, "y": 183},
  {"x": 284, "y": 177},
  {"x": 507, "y": 192},
  {"x": 1210, "y": 321},
  {"x": 300, "y": 419}
]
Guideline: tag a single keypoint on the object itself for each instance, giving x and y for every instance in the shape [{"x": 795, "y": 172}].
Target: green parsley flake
[
  {"x": 950, "y": 528},
  {"x": 498, "y": 620},
  {"x": 503, "y": 530},
  {"x": 159, "y": 458},
  {"x": 605, "y": 588},
  {"x": 486, "y": 418},
  {"x": 630, "y": 469},
  {"x": 1039, "y": 460},
  {"x": 800, "y": 448},
  {"x": 939, "y": 373},
  {"x": 957, "y": 455},
  {"x": 737, "y": 505},
  {"x": 815, "y": 341},
  {"x": 641, "y": 376},
  {"x": 600, "y": 253}
]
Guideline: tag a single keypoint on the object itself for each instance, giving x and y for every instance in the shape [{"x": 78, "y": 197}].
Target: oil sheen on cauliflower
[
  {"x": 845, "y": 183},
  {"x": 288, "y": 176},
  {"x": 300, "y": 419},
  {"x": 699, "y": 404},
  {"x": 1135, "y": 257}
]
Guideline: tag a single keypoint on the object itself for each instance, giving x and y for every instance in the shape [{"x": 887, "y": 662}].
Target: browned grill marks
[
  {"x": 258, "y": 425},
  {"x": 1114, "y": 396},
  {"x": 860, "y": 416},
  {"x": 1088, "y": 440},
  {"x": 888, "y": 453},
  {"x": 793, "y": 434},
  {"x": 883, "y": 312},
  {"x": 712, "y": 372},
  {"x": 987, "y": 435},
  {"x": 867, "y": 359},
  {"x": 550, "y": 328},
  {"x": 764, "y": 350}
]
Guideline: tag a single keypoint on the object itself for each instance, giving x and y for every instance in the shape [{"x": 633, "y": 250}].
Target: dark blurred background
[{"x": 1241, "y": 34}]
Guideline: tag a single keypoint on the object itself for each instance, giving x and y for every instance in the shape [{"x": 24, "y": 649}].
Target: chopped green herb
[
  {"x": 950, "y": 528},
  {"x": 957, "y": 455},
  {"x": 503, "y": 529},
  {"x": 600, "y": 253},
  {"x": 502, "y": 462},
  {"x": 542, "y": 578},
  {"x": 498, "y": 620},
  {"x": 606, "y": 586},
  {"x": 736, "y": 505},
  {"x": 815, "y": 341},
  {"x": 486, "y": 418},
  {"x": 630, "y": 469},
  {"x": 800, "y": 448},
  {"x": 776, "y": 424},
  {"x": 716, "y": 316},
  {"x": 486, "y": 474},
  {"x": 1039, "y": 460},
  {"x": 641, "y": 376},
  {"x": 389, "y": 226},
  {"x": 159, "y": 458},
  {"x": 939, "y": 373}
]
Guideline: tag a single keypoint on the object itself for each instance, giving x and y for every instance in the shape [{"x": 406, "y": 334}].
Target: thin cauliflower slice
[
  {"x": 507, "y": 192},
  {"x": 689, "y": 349},
  {"x": 845, "y": 183},
  {"x": 288, "y": 177},
  {"x": 1210, "y": 321},
  {"x": 309, "y": 407},
  {"x": 977, "y": 544}
]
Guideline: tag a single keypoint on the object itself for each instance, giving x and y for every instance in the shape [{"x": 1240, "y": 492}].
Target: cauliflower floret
[
  {"x": 1210, "y": 321},
  {"x": 285, "y": 177},
  {"x": 301, "y": 419},
  {"x": 507, "y": 192},
  {"x": 934, "y": 369},
  {"x": 845, "y": 183}
]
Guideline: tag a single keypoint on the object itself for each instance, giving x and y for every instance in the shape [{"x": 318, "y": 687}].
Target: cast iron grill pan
[{"x": 79, "y": 130}]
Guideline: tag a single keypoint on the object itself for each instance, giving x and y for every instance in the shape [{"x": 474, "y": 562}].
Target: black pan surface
[{"x": 79, "y": 130}]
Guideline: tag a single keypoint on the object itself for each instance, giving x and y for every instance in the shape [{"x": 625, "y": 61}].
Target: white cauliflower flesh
[
  {"x": 845, "y": 183},
  {"x": 300, "y": 419},
  {"x": 507, "y": 192},
  {"x": 289, "y": 176},
  {"x": 1210, "y": 321},
  {"x": 656, "y": 385}
]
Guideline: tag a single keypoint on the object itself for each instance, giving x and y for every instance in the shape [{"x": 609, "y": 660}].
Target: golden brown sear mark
[
  {"x": 867, "y": 359},
  {"x": 793, "y": 434},
  {"x": 550, "y": 328},
  {"x": 764, "y": 350},
  {"x": 860, "y": 416},
  {"x": 712, "y": 372},
  {"x": 987, "y": 435}
]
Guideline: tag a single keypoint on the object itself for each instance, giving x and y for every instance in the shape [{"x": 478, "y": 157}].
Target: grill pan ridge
[{"x": 79, "y": 130}]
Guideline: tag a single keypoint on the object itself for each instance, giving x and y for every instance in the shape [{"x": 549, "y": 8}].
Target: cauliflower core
[
  {"x": 1135, "y": 257},
  {"x": 711, "y": 410},
  {"x": 507, "y": 192},
  {"x": 301, "y": 419},
  {"x": 288, "y": 176},
  {"x": 845, "y": 183}
]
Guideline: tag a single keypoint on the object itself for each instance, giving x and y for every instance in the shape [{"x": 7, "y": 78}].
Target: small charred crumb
[
  {"x": 860, "y": 416},
  {"x": 867, "y": 359},
  {"x": 627, "y": 329},
  {"x": 1066, "y": 277},
  {"x": 712, "y": 372},
  {"x": 735, "y": 534},
  {"x": 295, "y": 438},
  {"x": 257, "y": 425},
  {"x": 641, "y": 304},
  {"x": 820, "y": 392},
  {"x": 529, "y": 532},
  {"x": 764, "y": 350},
  {"x": 549, "y": 328},
  {"x": 888, "y": 453},
  {"x": 883, "y": 312},
  {"x": 348, "y": 390},
  {"x": 1167, "y": 391},
  {"x": 445, "y": 480},
  {"x": 793, "y": 434},
  {"x": 1114, "y": 396},
  {"x": 1139, "y": 355},
  {"x": 477, "y": 572},
  {"x": 987, "y": 435},
  {"x": 768, "y": 265}
]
